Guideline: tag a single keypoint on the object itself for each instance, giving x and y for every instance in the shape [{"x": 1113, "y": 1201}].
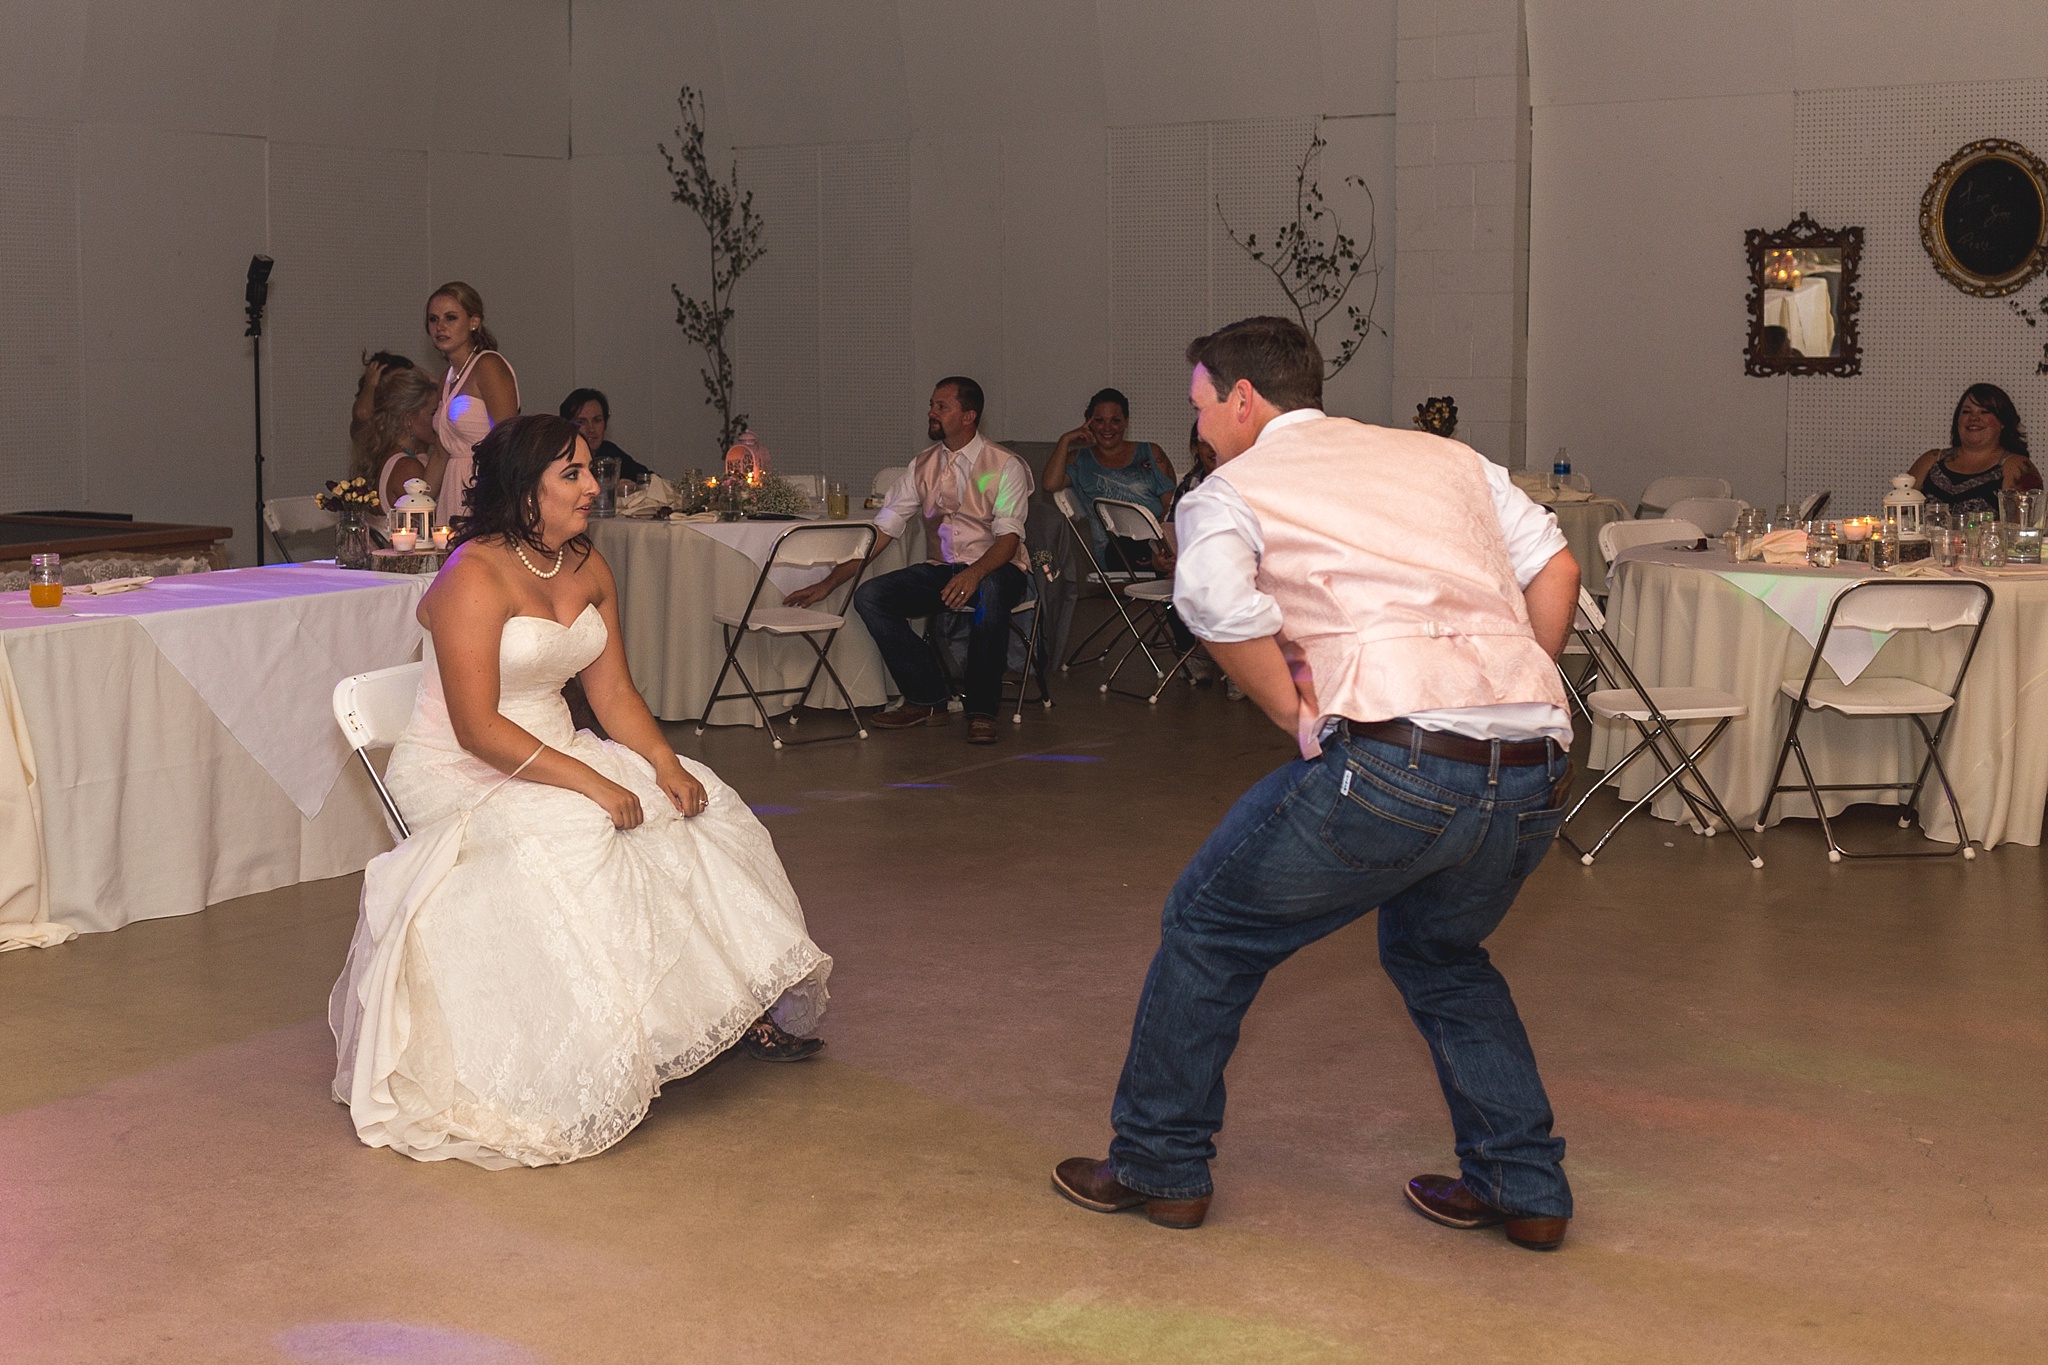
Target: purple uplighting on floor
[
  {"x": 1059, "y": 758},
  {"x": 776, "y": 810},
  {"x": 921, "y": 786},
  {"x": 369, "y": 1343}
]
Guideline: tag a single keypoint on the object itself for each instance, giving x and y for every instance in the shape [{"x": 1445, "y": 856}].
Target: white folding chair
[
  {"x": 1654, "y": 711},
  {"x": 1662, "y": 493},
  {"x": 304, "y": 519},
  {"x": 1154, "y": 596},
  {"x": 886, "y": 479},
  {"x": 373, "y": 710},
  {"x": 1889, "y": 607},
  {"x": 1081, "y": 524},
  {"x": 1617, "y": 536},
  {"x": 1711, "y": 515},
  {"x": 812, "y": 486},
  {"x": 809, "y": 545},
  {"x": 1810, "y": 506}
]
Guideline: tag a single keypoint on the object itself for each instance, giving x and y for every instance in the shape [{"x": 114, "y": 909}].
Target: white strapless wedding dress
[{"x": 524, "y": 977}]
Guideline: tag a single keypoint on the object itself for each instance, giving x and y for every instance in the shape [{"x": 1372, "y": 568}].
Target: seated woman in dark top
[{"x": 1986, "y": 452}]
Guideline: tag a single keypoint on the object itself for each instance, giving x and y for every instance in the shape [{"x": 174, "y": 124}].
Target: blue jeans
[
  {"x": 1440, "y": 848},
  {"x": 887, "y": 605}
]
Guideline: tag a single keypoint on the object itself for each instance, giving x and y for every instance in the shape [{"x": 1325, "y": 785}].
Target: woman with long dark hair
[
  {"x": 1101, "y": 462},
  {"x": 478, "y": 392},
  {"x": 573, "y": 921},
  {"x": 1986, "y": 453}
]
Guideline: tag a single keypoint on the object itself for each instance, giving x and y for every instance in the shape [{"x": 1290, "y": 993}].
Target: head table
[
  {"x": 1687, "y": 618},
  {"x": 166, "y": 749},
  {"x": 673, "y": 575}
]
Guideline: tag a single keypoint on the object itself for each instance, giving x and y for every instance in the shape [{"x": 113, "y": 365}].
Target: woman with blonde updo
[
  {"x": 478, "y": 392},
  {"x": 396, "y": 441}
]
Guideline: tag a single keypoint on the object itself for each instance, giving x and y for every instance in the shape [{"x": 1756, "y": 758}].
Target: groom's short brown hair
[{"x": 1277, "y": 355}]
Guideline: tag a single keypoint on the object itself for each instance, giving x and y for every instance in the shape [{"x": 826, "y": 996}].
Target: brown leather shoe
[
  {"x": 1093, "y": 1185},
  {"x": 906, "y": 715},
  {"x": 1444, "y": 1199},
  {"x": 981, "y": 730}
]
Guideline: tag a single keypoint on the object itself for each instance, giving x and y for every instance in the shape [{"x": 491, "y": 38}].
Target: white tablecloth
[
  {"x": 1581, "y": 520},
  {"x": 133, "y": 777},
  {"x": 1687, "y": 624},
  {"x": 673, "y": 575}
]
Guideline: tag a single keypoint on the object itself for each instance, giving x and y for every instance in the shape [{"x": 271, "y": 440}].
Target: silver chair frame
[
  {"x": 735, "y": 635},
  {"x": 1931, "y": 738},
  {"x": 1034, "y": 666},
  {"x": 1149, "y": 628},
  {"x": 1109, "y": 579}
]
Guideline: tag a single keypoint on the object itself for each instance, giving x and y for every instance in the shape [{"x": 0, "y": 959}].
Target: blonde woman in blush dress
[
  {"x": 395, "y": 441},
  {"x": 573, "y": 921},
  {"x": 478, "y": 392}
]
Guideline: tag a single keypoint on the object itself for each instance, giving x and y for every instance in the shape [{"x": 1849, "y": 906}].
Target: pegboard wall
[
  {"x": 41, "y": 463},
  {"x": 1174, "y": 272},
  {"x": 1865, "y": 156},
  {"x": 822, "y": 337},
  {"x": 353, "y": 224}
]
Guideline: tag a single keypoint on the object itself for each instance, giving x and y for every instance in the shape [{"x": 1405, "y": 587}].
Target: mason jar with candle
[{"x": 45, "y": 581}]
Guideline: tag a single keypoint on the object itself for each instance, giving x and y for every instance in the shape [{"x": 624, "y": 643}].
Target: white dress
[{"x": 524, "y": 977}]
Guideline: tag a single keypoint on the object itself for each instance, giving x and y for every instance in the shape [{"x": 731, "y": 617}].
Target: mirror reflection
[{"x": 1802, "y": 300}]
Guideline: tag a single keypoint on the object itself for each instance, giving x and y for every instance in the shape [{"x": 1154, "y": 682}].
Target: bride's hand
[
  {"x": 684, "y": 790},
  {"x": 618, "y": 802}
]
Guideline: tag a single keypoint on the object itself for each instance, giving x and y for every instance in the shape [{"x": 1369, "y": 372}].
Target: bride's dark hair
[{"x": 504, "y": 499}]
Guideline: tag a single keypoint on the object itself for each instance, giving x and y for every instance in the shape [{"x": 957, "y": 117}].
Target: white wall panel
[
  {"x": 871, "y": 413},
  {"x": 811, "y": 71},
  {"x": 1864, "y": 157},
  {"x": 501, "y": 77},
  {"x": 1857, "y": 43},
  {"x": 502, "y": 224},
  {"x": 1636, "y": 288},
  {"x": 776, "y": 330},
  {"x": 629, "y": 59},
  {"x": 957, "y": 183},
  {"x": 1056, "y": 273},
  {"x": 1354, "y": 45},
  {"x": 362, "y": 74},
  {"x": 40, "y": 451},
  {"x": 201, "y": 65},
  {"x": 1600, "y": 51},
  {"x": 349, "y": 232},
  {"x": 42, "y": 57},
  {"x": 167, "y": 223},
  {"x": 1035, "y": 66},
  {"x": 619, "y": 298},
  {"x": 1166, "y": 61}
]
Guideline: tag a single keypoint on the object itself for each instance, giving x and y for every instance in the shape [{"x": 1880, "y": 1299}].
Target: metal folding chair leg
[{"x": 1674, "y": 776}]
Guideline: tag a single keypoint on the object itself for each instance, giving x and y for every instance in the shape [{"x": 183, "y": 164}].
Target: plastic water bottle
[{"x": 1560, "y": 471}]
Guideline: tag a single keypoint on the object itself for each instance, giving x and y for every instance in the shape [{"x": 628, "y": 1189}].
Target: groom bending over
[{"x": 971, "y": 495}]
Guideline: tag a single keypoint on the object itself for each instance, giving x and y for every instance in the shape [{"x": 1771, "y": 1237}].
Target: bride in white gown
[{"x": 547, "y": 949}]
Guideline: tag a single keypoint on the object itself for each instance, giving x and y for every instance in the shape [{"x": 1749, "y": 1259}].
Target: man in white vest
[
  {"x": 972, "y": 496},
  {"x": 1395, "y": 604}
]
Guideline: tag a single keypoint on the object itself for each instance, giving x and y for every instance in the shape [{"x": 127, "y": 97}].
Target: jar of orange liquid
[{"x": 45, "y": 582}]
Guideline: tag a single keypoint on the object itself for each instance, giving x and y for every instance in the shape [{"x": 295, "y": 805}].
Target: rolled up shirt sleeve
[
  {"x": 1215, "y": 575},
  {"x": 1528, "y": 527},
  {"x": 901, "y": 507},
  {"x": 1013, "y": 500}
]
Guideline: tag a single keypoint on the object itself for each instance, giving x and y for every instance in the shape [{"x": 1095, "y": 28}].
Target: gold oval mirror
[{"x": 1984, "y": 218}]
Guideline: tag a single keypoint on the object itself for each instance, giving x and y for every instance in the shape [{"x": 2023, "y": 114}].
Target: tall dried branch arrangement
[
  {"x": 1316, "y": 265},
  {"x": 734, "y": 233}
]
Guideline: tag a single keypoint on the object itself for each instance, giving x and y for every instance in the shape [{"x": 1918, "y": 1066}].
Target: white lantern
[
  {"x": 415, "y": 512},
  {"x": 1904, "y": 509}
]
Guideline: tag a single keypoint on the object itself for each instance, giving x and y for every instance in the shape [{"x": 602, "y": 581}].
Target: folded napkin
[
  {"x": 698, "y": 516},
  {"x": 1567, "y": 495},
  {"x": 1919, "y": 568},
  {"x": 110, "y": 586},
  {"x": 1784, "y": 547},
  {"x": 645, "y": 502}
]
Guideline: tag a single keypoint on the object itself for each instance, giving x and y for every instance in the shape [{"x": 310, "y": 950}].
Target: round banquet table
[
  {"x": 673, "y": 575},
  {"x": 1580, "y": 516},
  {"x": 1685, "y": 624}
]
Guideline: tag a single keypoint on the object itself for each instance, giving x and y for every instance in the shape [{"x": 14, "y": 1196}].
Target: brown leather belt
[{"x": 1514, "y": 753}]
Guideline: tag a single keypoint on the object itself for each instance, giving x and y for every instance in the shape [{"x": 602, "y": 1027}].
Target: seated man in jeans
[{"x": 971, "y": 495}]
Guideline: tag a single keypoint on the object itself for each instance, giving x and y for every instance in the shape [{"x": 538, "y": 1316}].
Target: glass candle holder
[{"x": 45, "y": 581}]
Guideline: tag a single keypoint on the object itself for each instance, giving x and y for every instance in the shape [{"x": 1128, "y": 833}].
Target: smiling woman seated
[{"x": 1986, "y": 453}]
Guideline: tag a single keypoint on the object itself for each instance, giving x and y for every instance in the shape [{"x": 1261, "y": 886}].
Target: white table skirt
[
  {"x": 1681, "y": 625},
  {"x": 672, "y": 576},
  {"x": 1581, "y": 522},
  {"x": 123, "y": 796}
]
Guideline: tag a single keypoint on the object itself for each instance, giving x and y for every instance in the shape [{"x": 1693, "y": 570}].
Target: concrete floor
[{"x": 1806, "y": 1112}]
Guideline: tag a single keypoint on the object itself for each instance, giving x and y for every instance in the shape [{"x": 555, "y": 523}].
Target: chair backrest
[
  {"x": 886, "y": 479},
  {"x": 1069, "y": 503},
  {"x": 1617, "y": 536},
  {"x": 810, "y": 544},
  {"x": 1662, "y": 493},
  {"x": 1711, "y": 515},
  {"x": 1130, "y": 520},
  {"x": 373, "y": 709},
  {"x": 811, "y": 486},
  {"x": 1812, "y": 505},
  {"x": 1911, "y": 605},
  {"x": 286, "y": 515}
]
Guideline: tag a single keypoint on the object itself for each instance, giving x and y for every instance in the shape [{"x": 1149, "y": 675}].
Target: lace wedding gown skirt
[{"x": 524, "y": 977}]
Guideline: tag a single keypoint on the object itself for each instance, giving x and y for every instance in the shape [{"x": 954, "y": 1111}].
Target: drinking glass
[
  {"x": 606, "y": 470},
  {"x": 835, "y": 501},
  {"x": 1946, "y": 545},
  {"x": 1821, "y": 546},
  {"x": 45, "y": 581},
  {"x": 1786, "y": 516}
]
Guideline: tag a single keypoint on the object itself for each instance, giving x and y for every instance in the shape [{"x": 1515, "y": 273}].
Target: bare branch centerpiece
[
  {"x": 1316, "y": 264},
  {"x": 733, "y": 230}
]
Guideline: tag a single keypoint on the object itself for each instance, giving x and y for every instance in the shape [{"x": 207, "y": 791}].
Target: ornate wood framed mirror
[
  {"x": 1984, "y": 218},
  {"x": 1803, "y": 300}
]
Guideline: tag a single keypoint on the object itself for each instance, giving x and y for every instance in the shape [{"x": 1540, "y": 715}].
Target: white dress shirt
[
  {"x": 902, "y": 507},
  {"x": 1215, "y": 584}
]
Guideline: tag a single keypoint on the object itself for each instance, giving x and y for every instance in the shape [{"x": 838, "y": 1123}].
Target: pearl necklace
[{"x": 560, "y": 555}]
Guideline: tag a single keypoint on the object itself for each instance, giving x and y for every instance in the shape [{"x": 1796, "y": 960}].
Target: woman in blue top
[{"x": 1096, "y": 459}]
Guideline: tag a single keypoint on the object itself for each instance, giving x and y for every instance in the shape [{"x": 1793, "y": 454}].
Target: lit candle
[
  {"x": 1856, "y": 528},
  {"x": 442, "y": 535},
  {"x": 404, "y": 541}
]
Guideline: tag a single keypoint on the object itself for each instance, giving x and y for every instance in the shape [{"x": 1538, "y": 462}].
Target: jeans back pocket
[{"x": 1375, "y": 825}]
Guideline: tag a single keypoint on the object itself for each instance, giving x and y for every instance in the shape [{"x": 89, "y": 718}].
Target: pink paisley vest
[
  {"x": 1385, "y": 555},
  {"x": 959, "y": 530}
]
